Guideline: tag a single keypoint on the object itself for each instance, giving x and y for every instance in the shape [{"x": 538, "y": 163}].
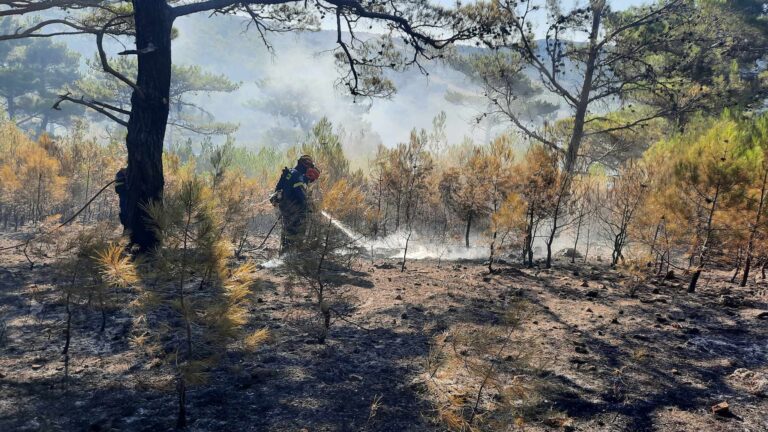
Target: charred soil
[{"x": 587, "y": 356}]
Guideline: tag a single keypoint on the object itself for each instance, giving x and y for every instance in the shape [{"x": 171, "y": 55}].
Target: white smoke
[
  {"x": 272, "y": 263},
  {"x": 426, "y": 248},
  {"x": 394, "y": 245}
]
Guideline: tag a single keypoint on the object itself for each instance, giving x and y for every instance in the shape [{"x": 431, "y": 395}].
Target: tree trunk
[
  {"x": 378, "y": 209},
  {"x": 148, "y": 118},
  {"x": 549, "y": 251},
  {"x": 737, "y": 270},
  {"x": 576, "y": 239},
  {"x": 652, "y": 251},
  {"x": 181, "y": 391},
  {"x": 493, "y": 252},
  {"x": 551, "y": 238},
  {"x": 753, "y": 232},
  {"x": 87, "y": 191},
  {"x": 405, "y": 250},
  {"x": 528, "y": 242},
  {"x": 618, "y": 245},
  {"x": 67, "y": 338},
  {"x": 747, "y": 266},
  {"x": 705, "y": 244},
  {"x": 694, "y": 280},
  {"x": 586, "y": 88},
  {"x": 469, "y": 227}
]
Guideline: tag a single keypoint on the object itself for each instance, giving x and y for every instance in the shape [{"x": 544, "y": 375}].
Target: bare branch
[
  {"x": 218, "y": 5},
  {"x": 630, "y": 125},
  {"x": 99, "y": 107},
  {"x": 21, "y": 7},
  {"x": 105, "y": 61},
  {"x": 31, "y": 31}
]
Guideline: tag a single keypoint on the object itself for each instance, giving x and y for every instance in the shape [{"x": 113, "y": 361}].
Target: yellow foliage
[
  {"x": 117, "y": 270},
  {"x": 257, "y": 338},
  {"x": 344, "y": 200},
  {"x": 510, "y": 217}
]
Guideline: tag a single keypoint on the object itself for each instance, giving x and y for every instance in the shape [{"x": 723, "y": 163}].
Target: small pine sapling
[
  {"x": 80, "y": 282},
  {"x": 476, "y": 374},
  {"x": 197, "y": 304},
  {"x": 507, "y": 220},
  {"x": 326, "y": 253}
]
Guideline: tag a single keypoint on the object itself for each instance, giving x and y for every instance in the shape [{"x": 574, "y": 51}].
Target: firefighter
[{"x": 291, "y": 198}]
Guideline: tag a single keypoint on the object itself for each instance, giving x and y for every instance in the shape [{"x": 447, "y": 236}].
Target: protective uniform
[{"x": 293, "y": 203}]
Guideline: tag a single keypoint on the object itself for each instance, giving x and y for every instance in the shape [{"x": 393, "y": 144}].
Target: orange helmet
[{"x": 312, "y": 174}]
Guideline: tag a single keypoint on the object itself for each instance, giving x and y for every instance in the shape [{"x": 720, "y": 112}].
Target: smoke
[
  {"x": 419, "y": 247},
  {"x": 394, "y": 245},
  {"x": 272, "y": 263},
  {"x": 302, "y": 67},
  {"x": 423, "y": 247}
]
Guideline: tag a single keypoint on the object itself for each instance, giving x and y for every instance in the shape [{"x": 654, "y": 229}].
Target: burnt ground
[{"x": 599, "y": 359}]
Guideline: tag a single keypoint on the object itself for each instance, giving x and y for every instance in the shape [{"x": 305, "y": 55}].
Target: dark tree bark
[
  {"x": 528, "y": 242},
  {"x": 550, "y": 240},
  {"x": 148, "y": 118},
  {"x": 694, "y": 280},
  {"x": 737, "y": 270},
  {"x": 560, "y": 203},
  {"x": 579, "y": 118},
  {"x": 469, "y": 227},
  {"x": 753, "y": 231},
  {"x": 493, "y": 251},
  {"x": 703, "y": 251},
  {"x": 555, "y": 227}
]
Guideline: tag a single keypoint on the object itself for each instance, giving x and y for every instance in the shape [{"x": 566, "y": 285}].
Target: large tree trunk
[
  {"x": 580, "y": 115},
  {"x": 148, "y": 119}
]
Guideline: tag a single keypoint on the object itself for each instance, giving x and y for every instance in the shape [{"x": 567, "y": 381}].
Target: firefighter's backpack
[{"x": 277, "y": 196}]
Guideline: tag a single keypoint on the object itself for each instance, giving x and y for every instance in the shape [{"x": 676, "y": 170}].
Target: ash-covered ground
[{"x": 409, "y": 351}]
